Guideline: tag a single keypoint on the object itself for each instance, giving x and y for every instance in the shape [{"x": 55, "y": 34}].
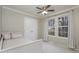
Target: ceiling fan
[{"x": 44, "y": 10}]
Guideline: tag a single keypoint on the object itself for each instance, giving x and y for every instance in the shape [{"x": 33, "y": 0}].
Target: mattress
[{"x": 14, "y": 42}]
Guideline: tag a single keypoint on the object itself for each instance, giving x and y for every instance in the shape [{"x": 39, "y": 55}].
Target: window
[
  {"x": 63, "y": 26},
  {"x": 51, "y": 27},
  {"x": 58, "y": 26}
]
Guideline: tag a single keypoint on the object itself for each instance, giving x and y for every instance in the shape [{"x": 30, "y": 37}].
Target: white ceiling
[{"x": 31, "y": 9}]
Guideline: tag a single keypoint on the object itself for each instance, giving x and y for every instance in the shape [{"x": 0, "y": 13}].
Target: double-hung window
[
  {"x": 61, "y": 29},
  {"x": 51, "y": 27},
  {"x": 63, "y": 26}
]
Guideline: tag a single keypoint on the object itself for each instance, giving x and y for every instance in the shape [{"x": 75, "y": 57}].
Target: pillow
[
  {"x": 6, "y": 35},
  {"x": 16, "y": 35}
]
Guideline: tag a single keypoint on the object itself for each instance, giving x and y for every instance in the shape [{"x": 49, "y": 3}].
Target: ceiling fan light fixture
[
  {"x": 44, "y": 13},
  {"x": 44, "y": 10}
]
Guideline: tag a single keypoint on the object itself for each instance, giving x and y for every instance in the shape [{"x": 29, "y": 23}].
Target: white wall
[
  {"x": 12, "y": 21},
  {"x": 41, "y": 28},
  {"x": 76, "y": 21},
  {"x": 0, "y": 25},
  {"x": 0, "y": 18}
]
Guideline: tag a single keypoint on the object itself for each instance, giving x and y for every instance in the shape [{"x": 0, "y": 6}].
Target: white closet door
[{"x": 30, "y": 27}]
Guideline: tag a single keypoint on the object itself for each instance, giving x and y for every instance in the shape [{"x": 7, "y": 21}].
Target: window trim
[{"x": 56, "y": 25}]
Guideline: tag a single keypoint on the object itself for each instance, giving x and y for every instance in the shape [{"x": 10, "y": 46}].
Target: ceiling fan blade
[
  {"x": 39, "y": 8},
  {"x": 47, "y": 6},
  {"x": 39, "y": 12},
  {"x": 50, "y": 10}
]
